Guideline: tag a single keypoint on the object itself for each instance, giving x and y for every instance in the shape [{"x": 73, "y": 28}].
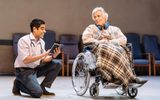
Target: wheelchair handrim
[{"x": 81, "y": 81}]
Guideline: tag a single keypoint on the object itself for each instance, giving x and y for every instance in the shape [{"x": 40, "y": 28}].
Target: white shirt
[{"x": 27, "y": 45}]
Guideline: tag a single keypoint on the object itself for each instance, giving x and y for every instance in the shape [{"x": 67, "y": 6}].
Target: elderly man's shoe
[
  {"x": 139, "y": 81},
  {"x": 15, "y": 89}
]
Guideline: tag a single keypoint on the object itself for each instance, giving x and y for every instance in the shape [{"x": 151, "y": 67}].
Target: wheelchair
[{"x": 85, "y": 63}]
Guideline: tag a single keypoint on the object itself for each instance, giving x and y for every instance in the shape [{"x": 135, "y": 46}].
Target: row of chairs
[
  {"x": 147, "y": 53},
  {"x": 69, "y": 51}
]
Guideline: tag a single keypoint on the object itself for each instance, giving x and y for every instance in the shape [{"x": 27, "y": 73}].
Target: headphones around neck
[{"x": 106, "y": 25}]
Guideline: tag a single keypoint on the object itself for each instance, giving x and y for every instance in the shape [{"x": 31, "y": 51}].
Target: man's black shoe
[
  {"x": 45, "y": 92},
  {"x": 48, "y": 93},
  {"x": 15, "y": 89}
]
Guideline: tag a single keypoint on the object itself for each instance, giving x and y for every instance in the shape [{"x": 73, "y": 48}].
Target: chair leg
[
  {"x": 62, "y": 68},
  {"x": 62, "y": 63},
  {"x": 68, "y": 65},
  {"x": 154, "y": 69},
  {"x": 149, "y": 70},
  {"x": 68, "y": 69}
]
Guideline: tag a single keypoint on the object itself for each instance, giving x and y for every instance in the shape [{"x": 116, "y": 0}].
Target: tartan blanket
[{"x": 114, "y": 62}]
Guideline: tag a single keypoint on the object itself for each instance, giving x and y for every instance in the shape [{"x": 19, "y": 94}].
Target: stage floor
[{"x": 62, "y": 86}]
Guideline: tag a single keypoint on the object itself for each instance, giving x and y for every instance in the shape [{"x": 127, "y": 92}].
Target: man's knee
[
  {"x": 37, "y": 93},
  {"x": 57, "y": 64}
]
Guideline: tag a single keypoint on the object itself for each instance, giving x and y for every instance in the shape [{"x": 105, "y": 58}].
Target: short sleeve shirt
[{"x": 27, "y": 45}]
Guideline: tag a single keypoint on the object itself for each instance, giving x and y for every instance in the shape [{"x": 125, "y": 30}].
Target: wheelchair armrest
[
  {"x": 127, "y": 47},
  {"x": 89, "y": 46}
]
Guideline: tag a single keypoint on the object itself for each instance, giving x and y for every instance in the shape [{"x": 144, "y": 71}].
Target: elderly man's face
[{"x": 99, "y": 18}]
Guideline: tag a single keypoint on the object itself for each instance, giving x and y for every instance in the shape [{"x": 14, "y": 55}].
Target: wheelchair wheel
[
  {"x": 132, "y": 92},
  {"x": 120, "y": 91},
  {"x": 80, "y": 74},
  {"x": 94, "y": 90}
]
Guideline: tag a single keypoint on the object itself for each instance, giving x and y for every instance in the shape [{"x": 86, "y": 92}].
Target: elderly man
[{"x": 109, "y": 51}]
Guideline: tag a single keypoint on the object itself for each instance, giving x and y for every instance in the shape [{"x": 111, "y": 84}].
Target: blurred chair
[
  {"x": 16, "y": 37},
  {"x": 50, "y": 39},
  {"x": 70, "y": 48},
  {"x": 150, "y": 43},
  {"x": 139, "y": 59}
]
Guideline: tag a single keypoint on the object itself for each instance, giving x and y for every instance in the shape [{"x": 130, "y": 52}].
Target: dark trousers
[{"x": 27, "y": 77}]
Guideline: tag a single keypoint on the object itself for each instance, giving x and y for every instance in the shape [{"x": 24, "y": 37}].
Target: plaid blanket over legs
[{"x": 113, "y": 61}]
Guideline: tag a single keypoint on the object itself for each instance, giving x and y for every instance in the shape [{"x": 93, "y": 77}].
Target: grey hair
[{"x": 101, "y": 10}]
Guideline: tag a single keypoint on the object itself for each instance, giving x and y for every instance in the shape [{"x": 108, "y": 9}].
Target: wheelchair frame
[{"x": 84, "y": 64}]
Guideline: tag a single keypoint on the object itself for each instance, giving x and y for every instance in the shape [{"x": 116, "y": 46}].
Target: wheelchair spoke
[
  {"x": 80, "y": 83},
  {"x": 80, "y": 76}
]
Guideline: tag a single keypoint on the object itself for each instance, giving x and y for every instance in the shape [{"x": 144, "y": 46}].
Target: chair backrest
[
  {"x": 150, "y": 43},
  {"x": 49, "y": 38},
  {"x": 16, "y": 37},
  {"x": 70, "y": 45},
  {"x": 134, "y": 38}
]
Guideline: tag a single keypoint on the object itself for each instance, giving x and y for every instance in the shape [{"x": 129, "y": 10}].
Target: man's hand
[
  {"x": 56, "y": 52},
  {"x": 30, "y": 58},
  {"x": 46, "y": 53},
  {"x": 49, "y": 57}
]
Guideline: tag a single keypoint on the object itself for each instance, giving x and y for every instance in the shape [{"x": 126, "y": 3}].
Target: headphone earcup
[
  {"x": 99, "y": 27},
  {"x": 106, "y": 25}
]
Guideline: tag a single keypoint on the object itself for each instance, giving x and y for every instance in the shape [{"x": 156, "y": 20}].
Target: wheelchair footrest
[
  {"x": 135, "y": 85},
  {"x": 110, "y": 85}
]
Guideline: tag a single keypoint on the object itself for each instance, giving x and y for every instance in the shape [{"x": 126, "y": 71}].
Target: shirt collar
[{"x": 33, "y": 38}]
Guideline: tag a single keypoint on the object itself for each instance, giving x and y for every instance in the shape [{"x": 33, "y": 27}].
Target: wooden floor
[{"x": 64, "y": 90}]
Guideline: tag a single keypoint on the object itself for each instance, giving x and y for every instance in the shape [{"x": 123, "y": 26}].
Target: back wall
[{"x": 72, "y": 16}]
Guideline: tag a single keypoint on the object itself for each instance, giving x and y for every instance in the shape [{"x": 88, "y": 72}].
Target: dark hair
[{"x": 36, "y": 23}]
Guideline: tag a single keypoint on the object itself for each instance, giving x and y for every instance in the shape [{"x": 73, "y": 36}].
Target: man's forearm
[{"x": 30, "y": 59}]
